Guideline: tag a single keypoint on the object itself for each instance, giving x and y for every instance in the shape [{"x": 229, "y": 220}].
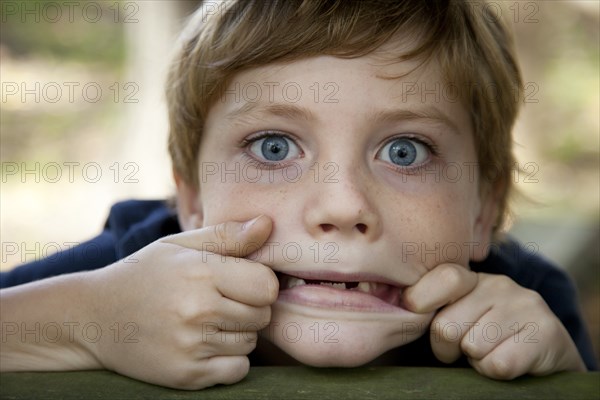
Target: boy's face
[{"x": 368, "y": 180}]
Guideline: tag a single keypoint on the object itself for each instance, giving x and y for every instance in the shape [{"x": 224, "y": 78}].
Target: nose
[{"x": 343, "y": 206}]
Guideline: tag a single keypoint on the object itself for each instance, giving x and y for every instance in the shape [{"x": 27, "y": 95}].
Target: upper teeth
[
  {"x": 293, "y": 281},
  {"x": 335, "y": 285},
  {"x": 366, "y": 287}
]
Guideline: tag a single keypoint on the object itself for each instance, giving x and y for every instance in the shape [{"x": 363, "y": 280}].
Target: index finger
[
  {"x": 443, "y": 285},
  {"x": 230, "y": 238}
]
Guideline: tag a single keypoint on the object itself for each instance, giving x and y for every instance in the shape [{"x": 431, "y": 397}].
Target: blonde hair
[{"x": 473, "y": 48}]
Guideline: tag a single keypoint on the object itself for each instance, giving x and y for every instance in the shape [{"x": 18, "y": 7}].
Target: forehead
[{"x": 371, "y": 88}]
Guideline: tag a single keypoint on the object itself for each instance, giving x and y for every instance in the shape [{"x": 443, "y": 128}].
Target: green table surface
[{"x": 309, "y": 383}]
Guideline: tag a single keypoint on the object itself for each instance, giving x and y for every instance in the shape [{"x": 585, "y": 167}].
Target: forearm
[{"x": 47, "y": 325}]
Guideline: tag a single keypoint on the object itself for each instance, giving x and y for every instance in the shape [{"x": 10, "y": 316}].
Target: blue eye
[
  {"x": 404, "y": 152},
  {"x": 274, "y": 148}
]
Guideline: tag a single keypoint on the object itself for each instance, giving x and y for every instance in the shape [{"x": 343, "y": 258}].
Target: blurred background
[{"x": 83, "y": 125}]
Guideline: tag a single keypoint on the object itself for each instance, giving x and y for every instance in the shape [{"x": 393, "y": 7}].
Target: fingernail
[{"x": 248, "y": 224}]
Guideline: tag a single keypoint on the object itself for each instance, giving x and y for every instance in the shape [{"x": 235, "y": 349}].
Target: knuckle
[
  {"x": 500, "y": 368},
  {"x": 251, "y": 337},
  {"x": 442, "y": 319},
  {"x": 220, "y": 231},
  {"x": 210, "y": 315},
  {"x": 237, "y": 371},
  {"x": 450, "y": 274},
  {"x": 545, "y": 329},
  {"x": 502, "y": 283},
  {"x": 206, "y": 311},
  {"x": 449, "y": 332},
  {"x": 470, "y": 348},
  {"x": 188, "y": 378},
  {"x": 184, "y": 342},
  {"x": 204, "y": 274},
  {"x": 187, "y": 311},
  {"x": 446, "y": 330},
  {"x": 211, "y": 373},
  {"x": 441, "y": 325},
  {"x": 250, "y": 341},
  {"x": 533, "y": 299}
]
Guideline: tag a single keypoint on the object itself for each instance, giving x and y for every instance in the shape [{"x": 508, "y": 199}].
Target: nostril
[
  {"x": 362, "y": 228},
  {"x": 327, "y": 227}
]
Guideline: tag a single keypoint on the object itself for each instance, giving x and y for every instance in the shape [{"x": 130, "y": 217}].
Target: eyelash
[
  {"x": 431, "y": 147},
  {"x": 246, "y": 142}
]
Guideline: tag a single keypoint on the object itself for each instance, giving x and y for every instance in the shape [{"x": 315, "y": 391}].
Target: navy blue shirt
[{"x": 134, "y": 224}]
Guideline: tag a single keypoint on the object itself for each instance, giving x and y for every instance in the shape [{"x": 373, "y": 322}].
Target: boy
[{"x": 320, "y": 224}]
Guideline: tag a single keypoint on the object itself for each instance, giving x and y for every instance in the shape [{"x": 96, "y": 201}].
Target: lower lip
[{"x": 341, "y": 299}]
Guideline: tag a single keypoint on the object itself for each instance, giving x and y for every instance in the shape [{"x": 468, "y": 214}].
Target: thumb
[
  {"x": 231, "y": 238},
  {"x": 241, "y": 239}
]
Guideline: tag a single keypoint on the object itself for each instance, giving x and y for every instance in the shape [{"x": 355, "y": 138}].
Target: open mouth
[{"x": 357, "y": 295}]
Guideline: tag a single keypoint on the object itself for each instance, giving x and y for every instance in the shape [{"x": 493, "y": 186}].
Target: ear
[
  {"x": 189, "y": 210},
  {"x": 484, "y": 224}
]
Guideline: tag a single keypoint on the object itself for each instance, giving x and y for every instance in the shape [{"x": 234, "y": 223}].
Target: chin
[{"x": 323, "y": 337}]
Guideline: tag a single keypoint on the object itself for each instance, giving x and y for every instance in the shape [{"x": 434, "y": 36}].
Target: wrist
[{"x": 40, "y": 322}]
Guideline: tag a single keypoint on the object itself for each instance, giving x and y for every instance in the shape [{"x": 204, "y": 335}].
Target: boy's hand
[
  {"x": 193, "y": 315},
  {"x": 504, "y": 329}
]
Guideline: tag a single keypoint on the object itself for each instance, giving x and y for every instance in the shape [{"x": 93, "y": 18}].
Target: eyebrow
[
  {"x": 292, "y": 111},
  {"x": 288, "y": 111},
  {"x": 427, "y": 113}
]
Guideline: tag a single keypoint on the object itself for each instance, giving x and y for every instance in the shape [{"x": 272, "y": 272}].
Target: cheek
[
  {"x": 223, "y": 201},
  {"x": 436, "y": 228}
]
